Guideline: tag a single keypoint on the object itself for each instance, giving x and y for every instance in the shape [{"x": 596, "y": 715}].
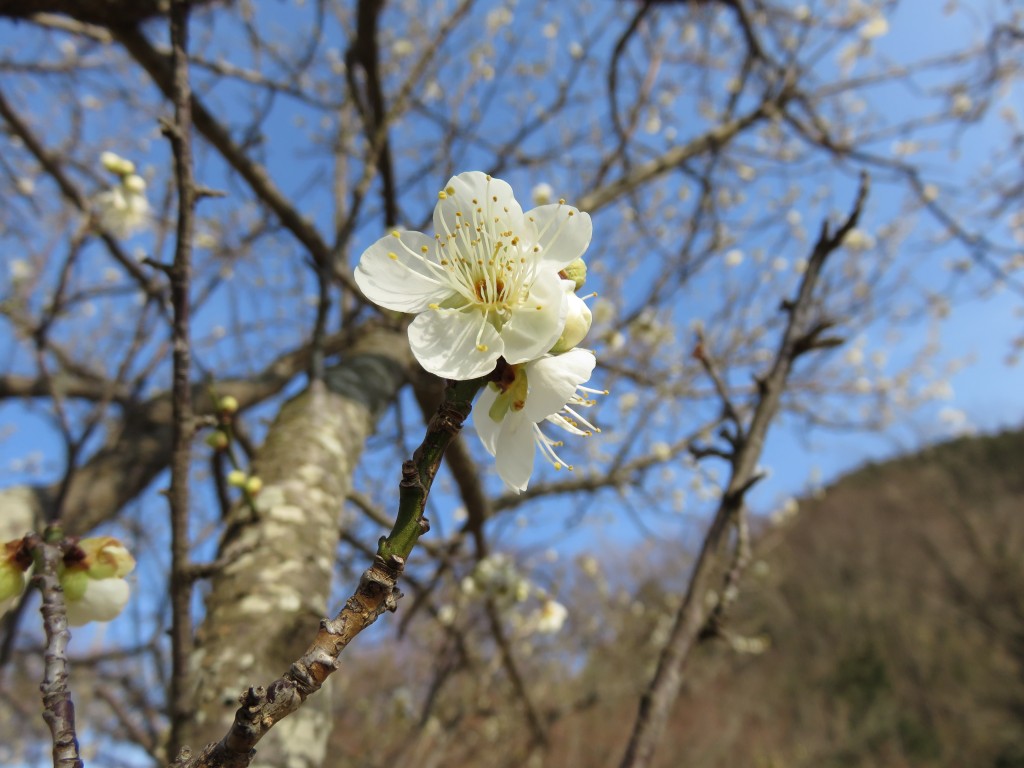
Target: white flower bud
[
  {"x": 116, "y": 164},
  {"x": 135, "y": 184},
  {"x": 542, "y": 194},
  {"x": 577, "y": 325}
]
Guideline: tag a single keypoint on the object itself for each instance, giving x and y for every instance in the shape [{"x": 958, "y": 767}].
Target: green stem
[{"x": 418, "y": 473}]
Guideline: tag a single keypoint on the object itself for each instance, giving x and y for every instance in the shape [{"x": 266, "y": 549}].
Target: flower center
[
  {"x": 483, "y": 258},
  {"x": 490, "y": 293},
  {"x": 512, "y": 384}
]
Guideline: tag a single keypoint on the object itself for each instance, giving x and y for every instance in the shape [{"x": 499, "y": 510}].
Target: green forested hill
[{"x": 895, "y": 609}]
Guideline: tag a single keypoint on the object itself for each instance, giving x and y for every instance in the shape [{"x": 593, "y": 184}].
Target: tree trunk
[{"x": 265, "y": 604}]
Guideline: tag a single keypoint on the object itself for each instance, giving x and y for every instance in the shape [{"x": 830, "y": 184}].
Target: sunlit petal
[
  {"x": 454, "y": 343},
  {"x": 553, "y": 382},
  {"x": 392, "y": 273},
  {"x": 562, "y": 232},
  {"x": 515, "y": 452}
]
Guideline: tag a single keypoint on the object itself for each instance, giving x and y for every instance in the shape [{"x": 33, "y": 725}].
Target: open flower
[
  {"x": 509, "y": 411},
  {"x": 123, "y": 209},
  {"x": 550, "y": 618},
  {"x": 93, "y": 580},
  {"x": 486, "y": 285}
]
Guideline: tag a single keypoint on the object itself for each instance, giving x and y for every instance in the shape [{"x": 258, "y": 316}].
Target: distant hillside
[{"x": 895, "y": 610}]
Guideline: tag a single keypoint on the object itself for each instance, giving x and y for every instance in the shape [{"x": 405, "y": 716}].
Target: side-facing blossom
[
  {"x": 15, "y": 562},
  {"x": 123, "y": 209},
  {"x": 93, "y": 580},
  {"x": 509, "y": 411},
  {"x": 486, "y": 285}
]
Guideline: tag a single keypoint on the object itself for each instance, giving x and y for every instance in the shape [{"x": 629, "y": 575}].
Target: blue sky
[{"x": 979, "y": 328}]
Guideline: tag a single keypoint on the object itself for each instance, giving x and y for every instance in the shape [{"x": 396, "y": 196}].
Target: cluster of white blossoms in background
[
  {"x": 91, "y": 575},
  {"x": 123, "y": 209},
  {"x": 497, "y": 578},
  {"x": 494, "y": 293}
]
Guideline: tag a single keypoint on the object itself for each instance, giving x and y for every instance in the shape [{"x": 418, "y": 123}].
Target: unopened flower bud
[
  {"x": 106, "y": 558},
  {"x": 217, "y": 440},
  {"x": 117, "y": 164},
  {"x": 237, "y": 478},
  {"x": 135, "y": 184},
  {"x": 577, "y": 272},
  {"x": 253, "y": 485},
  {"x": 228, "y": 404},
  {"x": 542, "y": 193},
  {"x": 577, "y": 325}
]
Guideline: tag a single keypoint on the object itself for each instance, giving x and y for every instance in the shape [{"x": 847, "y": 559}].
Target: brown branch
[
  {"x": 656, "y": 702},
  {"x": 677, "y": 156},
  {"x": 179, "y": 133},
  {"x": 58, "y": 708},
  {"x": 363, "y": 54},
  {"x": 159, "y": 68}
]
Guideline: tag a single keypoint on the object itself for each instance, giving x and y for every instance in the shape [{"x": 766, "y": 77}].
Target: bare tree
[{"x": 706, "y": 141}]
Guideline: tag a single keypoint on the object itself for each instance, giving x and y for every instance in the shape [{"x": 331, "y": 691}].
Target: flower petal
[
  {"x": 473, "y": 190},
  {"x": 103, "y": 600},
  {"x": 562, "y": 232},
  {"x": 536, "y": 325},
  {"x": 445, "y": 343},
  {"x": 515, "y": 452},
  {"x": 487, "y": 429},
  {"x": 404, "y": 283},
  {"x": 553, "y": 380}
]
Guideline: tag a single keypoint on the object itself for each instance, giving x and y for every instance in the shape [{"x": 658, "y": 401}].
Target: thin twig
[
  {"x": 657, "y": 701},
  {"x": 58, "y": 708}
]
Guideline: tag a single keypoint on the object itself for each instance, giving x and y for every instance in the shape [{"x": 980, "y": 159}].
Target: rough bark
[{"x": 266, "y": 603}]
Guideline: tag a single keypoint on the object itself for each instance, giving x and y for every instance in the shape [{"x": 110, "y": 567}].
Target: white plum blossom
[
  {"x": 15, "y": 563},
  {"x": 123, "y": 209},
  {"x": 550, "y": 618},
  {"x": 93, "y": 580},
  {"x": 486, "y": 285},
  {"x": 510, "y": 410},
  {"x": 877, "y": 26},
  {"x": 497, "y": 578}
]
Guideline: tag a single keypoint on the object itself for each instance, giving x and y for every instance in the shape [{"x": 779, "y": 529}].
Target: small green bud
[
  {"x": 217, "y": 440},
  {"x": 253, "y": 485},
  {"x": 237, "y": 478},
  {"x": 228, "y": 404},
  {"x": 577, "y": 272}
]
